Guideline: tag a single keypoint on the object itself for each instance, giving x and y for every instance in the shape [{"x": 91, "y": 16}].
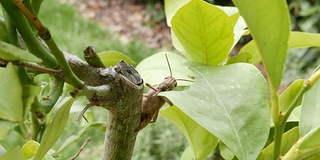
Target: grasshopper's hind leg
[{"x": 154, "y": 117}]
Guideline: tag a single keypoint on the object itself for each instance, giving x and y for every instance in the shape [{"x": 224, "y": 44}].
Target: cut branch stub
[{"x": 118, "y": 89}]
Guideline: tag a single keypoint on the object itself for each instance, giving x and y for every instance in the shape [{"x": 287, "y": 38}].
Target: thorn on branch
[{"x": 84, "y": 111}]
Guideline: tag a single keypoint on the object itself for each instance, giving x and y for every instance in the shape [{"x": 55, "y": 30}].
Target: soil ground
[{"x": 129, "y": 19}]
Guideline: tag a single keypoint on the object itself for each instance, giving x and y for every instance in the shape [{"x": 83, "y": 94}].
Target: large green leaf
[
  {"x": 239, "y": 25},
  {"x": 205, "y": 32},
  {"x": 288, "y": 140},
  {"x": 110, "y": 58},
  {"x": 55, "y": 127},
  {"x": 231, "y": 102},
  {"x": 10, "y": 96},
  {"x": 171, "y": 7},
  {"x": 201, "y": 146},
  {"x": 296, "y": 40},
  {"x": 13, "y": 154},
  {"x": 269, "y": 24},
  {"x": 10, "y": 52},
  {"x": 155, "y": 68}
]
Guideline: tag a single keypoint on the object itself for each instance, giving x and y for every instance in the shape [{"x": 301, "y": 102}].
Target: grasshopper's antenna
[
  {"x": 187, "y": 80},
  {"x": 168, "y": 65}
]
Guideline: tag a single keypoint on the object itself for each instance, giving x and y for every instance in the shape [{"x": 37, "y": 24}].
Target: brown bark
[{"x": 118, "y": 89}]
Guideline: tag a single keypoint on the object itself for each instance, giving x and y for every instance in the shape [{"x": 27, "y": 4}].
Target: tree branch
[{"x": 118, "y": 89}]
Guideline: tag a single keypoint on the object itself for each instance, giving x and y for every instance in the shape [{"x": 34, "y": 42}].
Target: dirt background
[{"x": 130, "y": 19}]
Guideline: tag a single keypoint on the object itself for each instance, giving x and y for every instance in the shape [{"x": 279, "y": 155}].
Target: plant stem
[
  {"x": 11, "y": 29},
  {"x": 277, "y": 141},
  {"x": 280, "y": 119},
  {"x": 33, "y": 44},
  {"x": 122, "y": 124},
  {"x": 290, "y": 154},
  {"x": 306, "y": 86},
  {"x": 36, "y": 6},
  {"x": 277, "y": 118},
  {"x": 44, "y": 33},
  {"x": 30, "y": 15},
  {"x": 69, "y": 76},
  {"x": 124, "y": 117},
  {"x": 92, "y": 58},
  {"x": 35, "y": 127},
  {"x": 81, "y": 148},
  {"x": 38, "y": 68},
  {"x": 123, "y": 88},
  {"x": 56, "y": 89}
]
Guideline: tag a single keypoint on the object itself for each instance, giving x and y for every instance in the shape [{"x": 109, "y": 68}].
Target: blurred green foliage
[
  {"x": 305, "y": 16},
  {"x": 74, "y": 33}
]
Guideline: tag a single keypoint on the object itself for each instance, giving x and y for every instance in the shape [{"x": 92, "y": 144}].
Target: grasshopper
[{"x": 151, "y": 102}]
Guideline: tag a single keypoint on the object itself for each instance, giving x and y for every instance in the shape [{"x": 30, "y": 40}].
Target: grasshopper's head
[{"x": 168, "y": 84}]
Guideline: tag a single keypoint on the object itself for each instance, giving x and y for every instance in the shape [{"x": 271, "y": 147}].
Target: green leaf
[
  {"x": 13, "y": 154},
  {"x": 309, "y": 143},
  {"x": 288, "y": 140},
  {"x": 205, "y": 32},
  {"x": 111, "y": 58},
  {"x": 30, "y": 149},
  {"x": 307, "y": 146},
  {"x": 251, "y": 48},
  {"x": 295, "y": 115},
  {"x": 289, "y": 95},
  {"x": 171, "y": 7},
  {"x": 239, "y": 25},
  {"x": 71, "y": 140},
  {"x": 231, "y": 102},
  {"x": 244, "y": 57},
  {"x": 317, "y": 157},
  {"x": 155, "y": 68},
  {"x": 310, "y": 119},
  {"x": 296, "y": 40},
  {"x": 177, "y": 45},
  {"x": 3, "y": 32},
  {"x": 29, "y": 93},
  {"x": 302, "y": 40},
  {"x": 10, "y": 52},
  {"x": 269, "y": 24},
  {"x": 55, "y": 127},
  {"x": 201, "y": 146},
  {"x": 10, "y": 95},
  {"x": 5, "y": 126},
  {"x": 187, "y": 154},
  {"x": 225, "y": 152}
]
